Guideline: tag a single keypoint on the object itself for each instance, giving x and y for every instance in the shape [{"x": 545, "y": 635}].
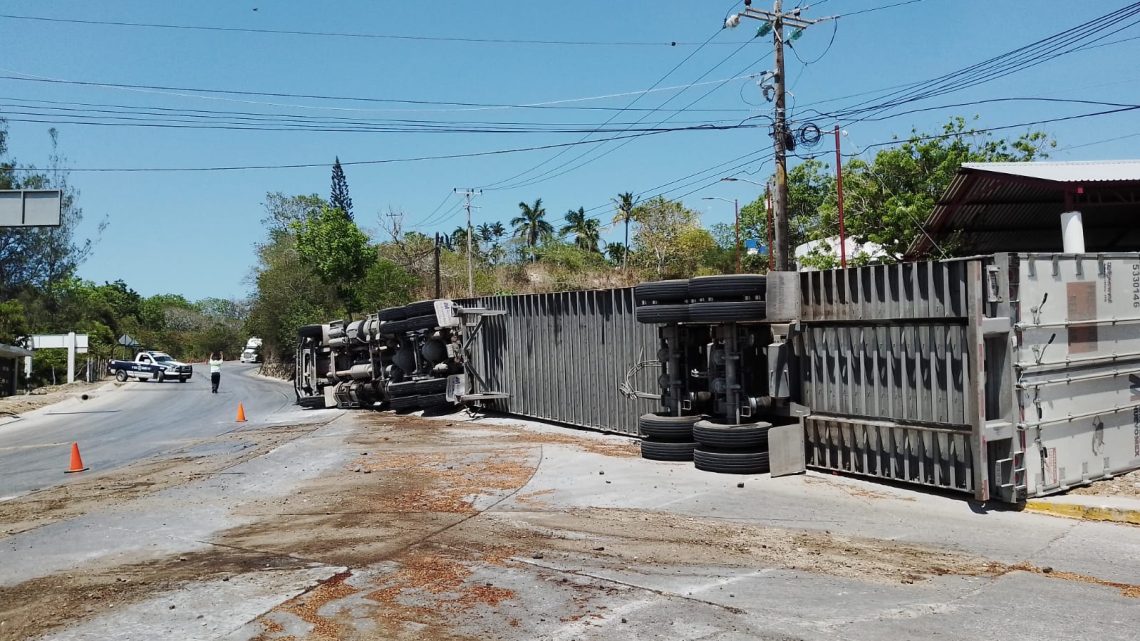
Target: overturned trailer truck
[{"x": 1003, "y": 376}]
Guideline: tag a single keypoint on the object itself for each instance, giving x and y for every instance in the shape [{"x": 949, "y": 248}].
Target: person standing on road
[{"x": 215, "y": 371}]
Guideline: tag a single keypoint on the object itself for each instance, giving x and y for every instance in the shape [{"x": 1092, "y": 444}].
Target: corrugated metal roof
[
  {"x": 1068, "y": 172},
  {"x": 12, "y": 351},
  {"x": 994, "y": 207}
]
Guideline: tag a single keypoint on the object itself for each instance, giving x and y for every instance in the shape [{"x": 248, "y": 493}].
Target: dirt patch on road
[
  {"x": 98, "y": 490},
  {"x": 44, "y": 396},
  {"x": 854, "y": 490},
  {"x": 501, "y": 434},
  {"x": 35, "y": 607},
  {"x": 1126, "y": 485}
]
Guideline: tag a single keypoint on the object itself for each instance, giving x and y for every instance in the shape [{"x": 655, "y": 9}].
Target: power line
[
  {"x": 466, "y": 106},
  {"x": 1027, "y": 56},
  {"x": 873, "y": 9},
  {"x": 554, "y": 172},
  {"x": 496, "y": 152},
  {"x": 812, "y": 106},
  {"x": 427, "y": 219},
  {"x": 357, "y": 35},
  {"x": 896, "y": 143},
  {"x": 259, "y": 117},
  {"x": 985, "y": 101},
  {"x": 17, "y": 115},
  {"x": 611, "y": 118}
]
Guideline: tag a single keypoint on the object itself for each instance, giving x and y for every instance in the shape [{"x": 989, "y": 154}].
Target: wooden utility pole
[
  {"x": 776, "y": 20},
  {"x": 438, "y": 283},
  {"x": 468, "y": 193},
  {"x": 780, "y": 128},
  {"x": 839, "y": 195}
]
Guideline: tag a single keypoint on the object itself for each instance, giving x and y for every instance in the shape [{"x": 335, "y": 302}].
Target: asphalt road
[{"x": 129, "y": 422}]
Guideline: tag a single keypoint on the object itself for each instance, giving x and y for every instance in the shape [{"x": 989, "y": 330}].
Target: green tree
[
  {"x": 339, "y": 197},
  {"x": 386, "y": 284},
  {"x": 587, "y": 233},
  {"x": 335, "y": 248},
  {"x": 698, "y": 254},
  {"x": 458, "y": 238},
  {"x": 35, "y": 257},
  {"x": 531, "y": 225},
  {"x": 888, "y": 199},
  {"x": 283, "y": 212},
  {"x": 13, "y": 321},
  {"x": 625, "y": 204},
  {"x": 615, "y": 253},
  {"x": 660, "y": 224},
  {"x": 288, "y": 294}
]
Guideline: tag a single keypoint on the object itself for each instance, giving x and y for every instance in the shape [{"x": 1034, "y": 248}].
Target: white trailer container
[
  {"x": 1077, "y": 366},
  {"x": 1007, "y": 376}
]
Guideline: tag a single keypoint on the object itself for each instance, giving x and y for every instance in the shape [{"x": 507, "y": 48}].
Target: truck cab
[{"x": 252, "y": 351}]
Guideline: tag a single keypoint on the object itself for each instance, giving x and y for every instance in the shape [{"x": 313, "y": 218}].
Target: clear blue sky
[{"x": 194, "y": 232}]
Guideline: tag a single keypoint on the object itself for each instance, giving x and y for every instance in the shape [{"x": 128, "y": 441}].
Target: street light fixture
[
  {"x": 742, "y": 180},
  {"x": 736, "y": 209},
  {"x": 733, "y": 179}
]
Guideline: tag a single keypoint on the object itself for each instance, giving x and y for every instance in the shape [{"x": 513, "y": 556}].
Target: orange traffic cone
[
  {"x": 241, "y": 413},
  {"x": 76, "y": 460}
]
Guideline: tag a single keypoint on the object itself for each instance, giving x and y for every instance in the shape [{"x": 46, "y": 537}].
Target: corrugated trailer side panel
[
  {"x": 886, "y": 371},
  {"x": 562, "y": 357}
]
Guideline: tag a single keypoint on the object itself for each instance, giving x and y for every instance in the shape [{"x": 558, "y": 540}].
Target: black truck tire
[
  {"x": 160, "y": 377},
  {"x": 728, "y": 286},
  {"x": 403, "y": 388},
  {"x": 427, "y": 321},
  {"x": 710, "y": 460},
  {"x": 310, "y": 331},
  {"x": 431, "y": 386},
  {"x": 664, "y": 428},
  {"x": 404, "y": 403},
  {"x": 661, "y": 291},
  {"x": 433, "y": 400},
  {"x": 656, "y": 451},
  {"x": 724, "y": 437},
  {"x": 392, "y": 314},
  {"x": 420, "y": 308},
  {"x": 727, "y": 312},
  {"x": 121, "y": 376},
  {"x": 661, "y": 314}
]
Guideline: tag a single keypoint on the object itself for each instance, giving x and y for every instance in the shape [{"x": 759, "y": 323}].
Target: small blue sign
[{"x": 753, "y": 247}]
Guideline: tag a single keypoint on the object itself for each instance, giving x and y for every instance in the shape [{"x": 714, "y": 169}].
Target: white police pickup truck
[{"x": 156, "y": 366}]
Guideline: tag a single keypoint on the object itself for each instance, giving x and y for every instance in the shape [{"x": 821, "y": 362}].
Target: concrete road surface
[
  {"x": 325, "y": 525},
  {"x": 122, "y": 423}
]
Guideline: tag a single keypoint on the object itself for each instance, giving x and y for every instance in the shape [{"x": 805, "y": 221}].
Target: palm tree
[
  {"x": 615, "y": 252},
  {"x": 532, "y": 225},
  {"x": 459, "y": 238},
  {"x": 498, "y": 230},
  {"x": 624, "y": 203},
  {"x": 486, "y": 232},
  {"x": 585, "y": 230}
]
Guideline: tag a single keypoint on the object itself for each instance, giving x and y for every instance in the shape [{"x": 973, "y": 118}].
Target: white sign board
[
  {"x": 59, "y": 341},
  {"x": 30, "y": 207}
]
